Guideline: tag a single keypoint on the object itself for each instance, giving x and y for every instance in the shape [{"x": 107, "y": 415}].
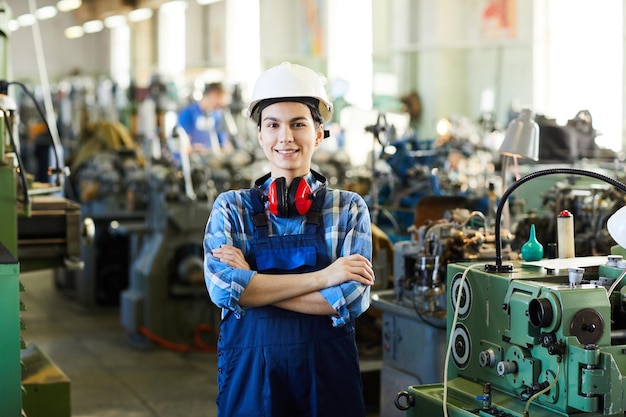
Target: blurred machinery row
[{"x": 105, "y": 197}]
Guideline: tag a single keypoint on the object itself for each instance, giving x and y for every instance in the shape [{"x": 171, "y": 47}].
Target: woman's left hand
[{"x": 231, "y": 256}]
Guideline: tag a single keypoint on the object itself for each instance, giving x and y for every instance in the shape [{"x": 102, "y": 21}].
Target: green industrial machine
[
  {"x": 8, "y": 210},
  {"x": 10, "y": 344},
  {"x": 530, "y": 342},
  {"x": 38, "y": 230},
  {"x": 544, "y": 338},
  {"x": 10, "y": 394}
]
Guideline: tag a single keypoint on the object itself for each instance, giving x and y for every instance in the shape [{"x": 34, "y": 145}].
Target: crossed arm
[{"x": 297, "y": 292}]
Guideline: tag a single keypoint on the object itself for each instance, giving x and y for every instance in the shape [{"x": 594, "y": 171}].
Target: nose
[{"x": 285, "y": 135}]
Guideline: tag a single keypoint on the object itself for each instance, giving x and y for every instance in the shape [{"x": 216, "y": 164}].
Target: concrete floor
[{"x": 110, "y": 378}]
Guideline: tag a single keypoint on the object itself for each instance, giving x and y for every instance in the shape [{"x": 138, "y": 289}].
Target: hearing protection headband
[{"x": 287, "y": 201}]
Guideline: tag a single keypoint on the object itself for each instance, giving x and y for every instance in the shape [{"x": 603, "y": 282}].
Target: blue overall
[{"x": 278, "y": 363}]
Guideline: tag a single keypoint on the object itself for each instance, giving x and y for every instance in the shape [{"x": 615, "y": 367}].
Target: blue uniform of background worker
[
  {"x": 289, "y": 263},
  {"x": 203, "y": 120}
]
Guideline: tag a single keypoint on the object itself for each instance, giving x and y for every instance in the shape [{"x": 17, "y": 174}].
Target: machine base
[
  {"x": 427, "y": 401},
  {"x": 46, "y": 387}
]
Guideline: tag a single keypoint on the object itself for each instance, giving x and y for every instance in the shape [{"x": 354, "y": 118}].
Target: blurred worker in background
[
  {"x": 412, "y": 105},
  {"x": 289, "y": 263},
  {"x": 203, "y": 121}
]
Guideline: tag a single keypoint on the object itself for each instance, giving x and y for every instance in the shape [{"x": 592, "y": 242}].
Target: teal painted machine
[
  {"x": 10, "y": 393},
  {"x": 529, "y": 343},
  {"x": 532, "y": 339},
  {"x": 38, "y": 230}
]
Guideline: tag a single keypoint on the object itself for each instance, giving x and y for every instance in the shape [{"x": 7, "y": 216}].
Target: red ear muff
[
  {"x": 285, "y": 202},
  {"x": 300, "y": 195},
  {"x": 271, "y": 198},
  {"x": 277, "y": 198}
]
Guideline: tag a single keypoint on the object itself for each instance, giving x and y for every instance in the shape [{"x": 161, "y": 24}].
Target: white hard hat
[{"x": 286, "y": 81}]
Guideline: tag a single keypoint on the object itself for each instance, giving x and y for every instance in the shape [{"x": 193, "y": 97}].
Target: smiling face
[{"x": 288, "y": 136}]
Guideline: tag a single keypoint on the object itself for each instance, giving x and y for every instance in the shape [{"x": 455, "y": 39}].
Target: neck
[{"x": 290, "y": 175}]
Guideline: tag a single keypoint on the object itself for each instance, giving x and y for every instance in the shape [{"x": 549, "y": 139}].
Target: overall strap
[
  {"x": 258, "y": 215},
  {"x": 314, "y": 215}
]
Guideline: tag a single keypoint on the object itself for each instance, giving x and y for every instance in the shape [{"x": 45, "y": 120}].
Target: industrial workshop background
[{"x": 442, "y": 107}]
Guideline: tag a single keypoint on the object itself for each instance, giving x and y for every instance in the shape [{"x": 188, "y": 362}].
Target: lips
[{"x": 286, "y": 151}]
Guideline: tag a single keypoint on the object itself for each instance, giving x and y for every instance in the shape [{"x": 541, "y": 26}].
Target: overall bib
[{"x": 277, "y": 363}]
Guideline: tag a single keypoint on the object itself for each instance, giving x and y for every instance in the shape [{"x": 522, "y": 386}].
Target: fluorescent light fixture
[
  {"x": 140, "y": 14},
  {"x": 204, "y": 2},
  {"x": 74, "y": 32},
  {"x": 114, "y": 21},
  {"x": 26, "y": 20},
  {"x": 68, "y": 5},
  {"x": 46, "y": 12},
  {"x": 13, "y": 25},
  {"x": 93, "y": 26}
]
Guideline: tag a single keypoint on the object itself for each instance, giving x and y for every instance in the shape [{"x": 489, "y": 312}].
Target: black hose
[{"x": 58, "y": 170}]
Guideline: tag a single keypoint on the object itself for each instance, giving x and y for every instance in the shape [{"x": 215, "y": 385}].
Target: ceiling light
[
  {"x": 26, "y": 20},
  {"x": 46, "y": 12},
  {"x": 68, "y": 5},
  {"x": 114, "y": 21},
  {"x": 139, "y": 14},
  {"x": 93, "y": 26},
  {"x": 203, "y": 2},
  {"x": 74, "y": 32}
]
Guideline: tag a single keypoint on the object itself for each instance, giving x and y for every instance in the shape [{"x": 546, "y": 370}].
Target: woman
[{"x": 289, "y": 263}]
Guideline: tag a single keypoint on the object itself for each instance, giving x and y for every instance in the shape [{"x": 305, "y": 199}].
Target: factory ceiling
[{"x": 99, "y": 9}]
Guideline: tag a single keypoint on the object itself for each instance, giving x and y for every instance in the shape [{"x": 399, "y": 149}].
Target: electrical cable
[
  {"x": 473, "y": 214},
  {"x": 450, "y": 340},
  {"x": 25, "y": 90},
  {"x": 200, "y": 345},
  {"x": 617, "y": 281},
  {"x": 546, "y": 389}
]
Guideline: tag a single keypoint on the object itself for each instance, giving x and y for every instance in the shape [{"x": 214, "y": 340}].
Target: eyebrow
[{"x": 295, "y": 119}]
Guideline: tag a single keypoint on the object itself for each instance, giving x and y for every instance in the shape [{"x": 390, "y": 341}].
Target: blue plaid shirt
[{"x": 347, "y": 229}]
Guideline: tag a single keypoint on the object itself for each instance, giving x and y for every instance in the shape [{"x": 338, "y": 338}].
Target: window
[{"x": 581, "y": 64}]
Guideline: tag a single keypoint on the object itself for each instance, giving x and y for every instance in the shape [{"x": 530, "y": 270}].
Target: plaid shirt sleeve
[
  {"x": 224, "y": 283},
  {"x": 350, "y": 233}
]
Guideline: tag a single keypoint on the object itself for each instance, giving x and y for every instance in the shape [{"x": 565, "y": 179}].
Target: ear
[
  {"x": 319, "y": 135},
  {"x": 259, "y": 137}
]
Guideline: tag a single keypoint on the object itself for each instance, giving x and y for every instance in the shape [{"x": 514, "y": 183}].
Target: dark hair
[
  {"x": 216, "y": 87},
  {"x": 310, "y": 102}
]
